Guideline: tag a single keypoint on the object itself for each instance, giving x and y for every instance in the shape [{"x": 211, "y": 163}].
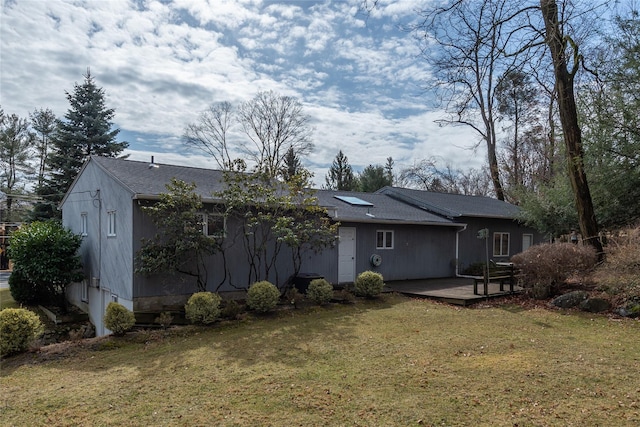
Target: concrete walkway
[
  {"x": 4, "y": 279},
  {"x": 453, "y": 290}
]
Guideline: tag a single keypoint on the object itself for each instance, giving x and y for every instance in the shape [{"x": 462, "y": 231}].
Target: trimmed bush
[
  {"x": 203, "y": 308},
  {"x": 118, "y": 319},
  {"x": 262, "y": 296},
  {"x": 19, "y": 327},
  {"x": 544, "y": 268},
  {"x": 22, "y": 290},
  {"x": 368, "y": 284},
  {"x": 320, "y": 291}
]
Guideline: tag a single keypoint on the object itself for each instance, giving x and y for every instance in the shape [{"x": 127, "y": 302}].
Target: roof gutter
[{"x": 154, "y": 197}]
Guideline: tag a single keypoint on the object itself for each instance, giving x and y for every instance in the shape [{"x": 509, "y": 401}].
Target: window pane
[
  {"x": 215, "y": 225},
  {"x": 505, "y": 244},
  {"x": 389, "y": 239},
  {"x": 380, "y": 240}
]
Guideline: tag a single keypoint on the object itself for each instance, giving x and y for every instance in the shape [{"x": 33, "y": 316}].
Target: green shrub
[
  {"x": 320, "y": 291},
  {"x": 19, "y": 327},
  {"x": 118, "y": 319},
  {"x": 22, "y": 290},
  {"x": 545, "y": 268},
  {"x": 203, "y": 308},
  {"x": 262, "y": 296},
  {"x": 368, "y": 284},
  {"x": 46, "y": 254}
]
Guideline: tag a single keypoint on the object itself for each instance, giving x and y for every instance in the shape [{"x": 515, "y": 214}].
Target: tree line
[
  {"x": 550, "y": 88},
  {"x": 41, "y": 156}
]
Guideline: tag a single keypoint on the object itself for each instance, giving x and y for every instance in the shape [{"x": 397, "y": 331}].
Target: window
[
  {"x": 384, "y": 239},
  {"x": 83, "y": 217},
  {"x": 500, "y": 244},
  {"x": 84, "y": 291},
  {"x": 213, "y": 225},
  {"x": 527, "y": 241},
  {"x": 111, "y": 232}
]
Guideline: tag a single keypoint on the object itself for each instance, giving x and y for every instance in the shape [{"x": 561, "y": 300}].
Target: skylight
[{"x": 353, "y": 201}]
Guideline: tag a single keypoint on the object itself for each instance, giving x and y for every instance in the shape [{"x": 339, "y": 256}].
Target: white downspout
[{"x": 458, "y": 249}]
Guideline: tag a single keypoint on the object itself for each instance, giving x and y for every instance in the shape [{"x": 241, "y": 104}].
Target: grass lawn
[
  {"x": 6, "y": 301},
  {"x": 392, "y": 362}
]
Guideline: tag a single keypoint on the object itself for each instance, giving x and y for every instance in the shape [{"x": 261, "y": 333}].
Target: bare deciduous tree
[
  {"x": 426, "y": 174},
  {"x": 274, "y": 124},
  {"x": 566, "y": 63},
  {"x": 468, "y": 61},
  {"x": 209, "y": 133}
]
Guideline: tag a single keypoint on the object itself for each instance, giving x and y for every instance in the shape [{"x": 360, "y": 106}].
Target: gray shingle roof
[
  {"x": 390, "y": 204},
  {"x": 454, "y": 205},
  {"x": 384, "y": 209},
  {"x": 149, "y": 182}
]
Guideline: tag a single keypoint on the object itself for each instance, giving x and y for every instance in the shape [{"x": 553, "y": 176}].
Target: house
[
  {"x": 506, "y": 236},
  {"x": 403, "y": 234}
]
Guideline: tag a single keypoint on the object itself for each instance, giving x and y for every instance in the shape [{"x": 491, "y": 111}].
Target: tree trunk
[{"x": 569, "y": 120}]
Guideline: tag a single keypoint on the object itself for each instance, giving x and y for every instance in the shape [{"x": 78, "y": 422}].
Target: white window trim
[
  {"x": 497, "y": 249},
  {"x": 205, "y": 225},
  {"x": 524, "y": 235},
  {"x": 111, "y": 223},
  {"x": 384, "y": 239},
  {"x": 84, "y": 223}
]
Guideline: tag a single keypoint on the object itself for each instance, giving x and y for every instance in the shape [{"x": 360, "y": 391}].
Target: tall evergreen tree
[
  {"x": 86, "y": 130},
  {"x": 292, "y": 165},
  {"x": 373, "y": 178},
  {"x": 340, "y": 176}
]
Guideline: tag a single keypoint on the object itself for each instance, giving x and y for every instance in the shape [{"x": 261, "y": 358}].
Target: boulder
[
  {"x": 595, "y": 305},
  {"x": 631, "y": 310},
  {"x": 571, "y": 299}
]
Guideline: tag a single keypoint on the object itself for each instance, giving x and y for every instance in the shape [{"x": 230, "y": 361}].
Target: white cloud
[{"x": 161, "y": 64}]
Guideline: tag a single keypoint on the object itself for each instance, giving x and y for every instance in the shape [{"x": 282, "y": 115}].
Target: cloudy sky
[{"x": 163, "y": 62}]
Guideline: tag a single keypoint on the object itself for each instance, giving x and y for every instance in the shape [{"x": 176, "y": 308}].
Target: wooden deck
[{"x": 453, "y": 290}]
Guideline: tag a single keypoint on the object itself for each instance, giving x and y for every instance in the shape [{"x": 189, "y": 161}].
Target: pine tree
[
  {"x": 340, "y": 176},
  {"x": 292, "y": 165},
  {"x": 86, "y": 130},
  {"x": 16, "y": 143},
  {"x": 373, "y": 178},
  {"x": 43, "y": 122}
]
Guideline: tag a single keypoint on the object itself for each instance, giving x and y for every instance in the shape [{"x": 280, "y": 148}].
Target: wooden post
[{"x": 485, "y": 273}]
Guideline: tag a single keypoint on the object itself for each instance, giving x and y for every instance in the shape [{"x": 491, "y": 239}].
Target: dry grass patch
[{"x": 395, "y": 361}]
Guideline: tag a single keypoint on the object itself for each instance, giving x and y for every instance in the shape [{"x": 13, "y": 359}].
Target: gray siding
[
  {"x": 228, "y": 273},
  {"x": 97, "y": 194},
  {"x": 472, "y": 249},
  {"x": 419, "y": 251}
]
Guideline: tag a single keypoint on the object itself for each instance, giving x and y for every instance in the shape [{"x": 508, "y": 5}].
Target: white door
[
  {"x": 527, "y": 241},
  {"x": 347, "y": 255}
]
